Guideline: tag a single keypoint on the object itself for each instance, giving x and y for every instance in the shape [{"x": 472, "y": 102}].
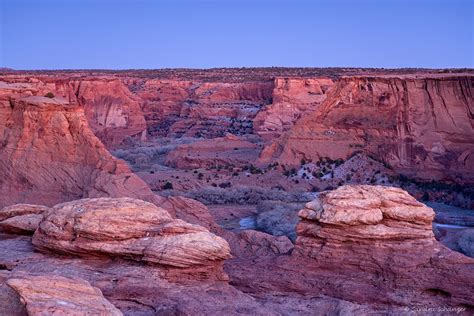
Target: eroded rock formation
[
  {"x": 49, "y": 155},
  {"x": 293, "y": 98},
  {"x": 422, "y": 126},
  {"x": 130, "y": 229},
  {"x": 21, "y": 218},
  {"x": 386, "y": 234}
]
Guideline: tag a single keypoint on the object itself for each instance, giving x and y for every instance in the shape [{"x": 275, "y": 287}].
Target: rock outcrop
[
  {"x": 422, "y": 126},
  {"x": 56, "y": 295},
  {"x": 49, "y": 155},
  {"x": 383, "y": 235},
  {"x": 113, "y": 112},
  {"x": 293, "y": 98},
  {"x": 21, "y": 218},
  {"x": 130, "y": 229}
]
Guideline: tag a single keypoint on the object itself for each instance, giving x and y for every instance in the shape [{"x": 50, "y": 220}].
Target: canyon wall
[
  {"x": 48, "y": 154},
  {"x": 421, "y": 126},
  {"x": 113, "y": 112},
  {"x": 208, "y": 109},
  {"x": 292, "y": 99}
]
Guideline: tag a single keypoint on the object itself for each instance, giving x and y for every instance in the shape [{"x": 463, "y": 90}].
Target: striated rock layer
[
  {"x": 49, "y": 155},
  {"x": 386, "y": 235},
  {"x": 127, "y": 228},
  {"x": 293, "y": 98},
  {"x": 21, "y": 218},
  {"x": 422, "y": 126}
]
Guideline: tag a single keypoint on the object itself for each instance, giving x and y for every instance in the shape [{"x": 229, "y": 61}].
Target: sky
[{"x": 131, "y": 34}]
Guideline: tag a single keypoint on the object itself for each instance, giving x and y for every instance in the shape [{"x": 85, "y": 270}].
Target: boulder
[
  {"x": 384, "y": 236},
  {"x": 56, "y": 295},
  {"x": 21, "y": 219},
  {"x": 130, "y": 229}
]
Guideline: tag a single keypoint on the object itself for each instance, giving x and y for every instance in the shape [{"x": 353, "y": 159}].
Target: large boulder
[
  {"x": 130, "y": 229},
  {"x": 56, "y": 295}
]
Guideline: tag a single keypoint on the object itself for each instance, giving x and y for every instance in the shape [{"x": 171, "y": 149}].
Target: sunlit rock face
[
  {"x": 422, "y": 126},
  {"x": 50, "y": 155}
]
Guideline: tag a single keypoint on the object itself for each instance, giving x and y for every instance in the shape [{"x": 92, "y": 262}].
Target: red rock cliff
[
  {"x": 49, "y": 155},
  {"x": 421, "y": 126},
  {"x": 292, "y": 99}
]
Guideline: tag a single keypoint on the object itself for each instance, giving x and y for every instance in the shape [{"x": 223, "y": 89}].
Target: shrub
[
  {"x": 167, "y": 186},
  {"x": 49, "y": 95}
]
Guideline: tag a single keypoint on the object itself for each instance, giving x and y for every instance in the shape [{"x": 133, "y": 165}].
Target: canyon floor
[{"x": 258, "y": 191}]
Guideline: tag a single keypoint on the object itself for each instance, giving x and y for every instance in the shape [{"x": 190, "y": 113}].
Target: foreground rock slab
[
  {"x": 21, "y": 219},
  {"x": 130, "y": 229},
  {"x": 55, "y": 295}
]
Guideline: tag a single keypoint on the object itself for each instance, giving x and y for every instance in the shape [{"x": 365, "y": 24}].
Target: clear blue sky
[{"x": 60, "y": 34}]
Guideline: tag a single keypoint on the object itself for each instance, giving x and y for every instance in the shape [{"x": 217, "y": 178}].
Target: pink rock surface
[
  {"x": 128, "y": 228},
  {"x": 293, "y": 98},
  {"x": 50, "y": 155},
  {"x": 420, "y": 126}
]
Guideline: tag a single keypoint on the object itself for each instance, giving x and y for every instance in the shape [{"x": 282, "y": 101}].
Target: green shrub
[{"x": 49, "y": 95}]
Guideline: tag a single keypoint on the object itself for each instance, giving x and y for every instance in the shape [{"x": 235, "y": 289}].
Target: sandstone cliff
[
  {"x": 293, "y": 98},
  {"x": 113, "y": 112},
  {"x": 185, "y": 108},
  {"x": 422, "y": 126},
  {"x": 49, "y": 155}
]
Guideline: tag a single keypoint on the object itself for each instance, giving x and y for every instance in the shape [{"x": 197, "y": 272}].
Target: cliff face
[
  {"x": 113, "y": 112},
  {"x": 292, "y": 99},
  {"x": 185, "y": 108},
  {"x": 49, "y": 155},
  {"x": 421, "y": 126}
]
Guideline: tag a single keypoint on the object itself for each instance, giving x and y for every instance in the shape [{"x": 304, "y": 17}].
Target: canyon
[{"x": 258, "y": 191}]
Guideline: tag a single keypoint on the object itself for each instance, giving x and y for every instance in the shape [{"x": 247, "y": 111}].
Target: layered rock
[
  {"x": 50, "y": 294},
  {"x": 422, "y": 126},
  {"x": 49, "y": 155},
  {"x": 113, "y": 112},
  {"x": 185, "y": 108},
  {"x": 293, "y": 98},
  {"x": 21, "y": 218},
  {"x": 130, "y": 229},
  {"x": 383, "y": 235}
]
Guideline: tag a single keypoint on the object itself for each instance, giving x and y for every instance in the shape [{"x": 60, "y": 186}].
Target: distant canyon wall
[{"x": 422, "y": 127}]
